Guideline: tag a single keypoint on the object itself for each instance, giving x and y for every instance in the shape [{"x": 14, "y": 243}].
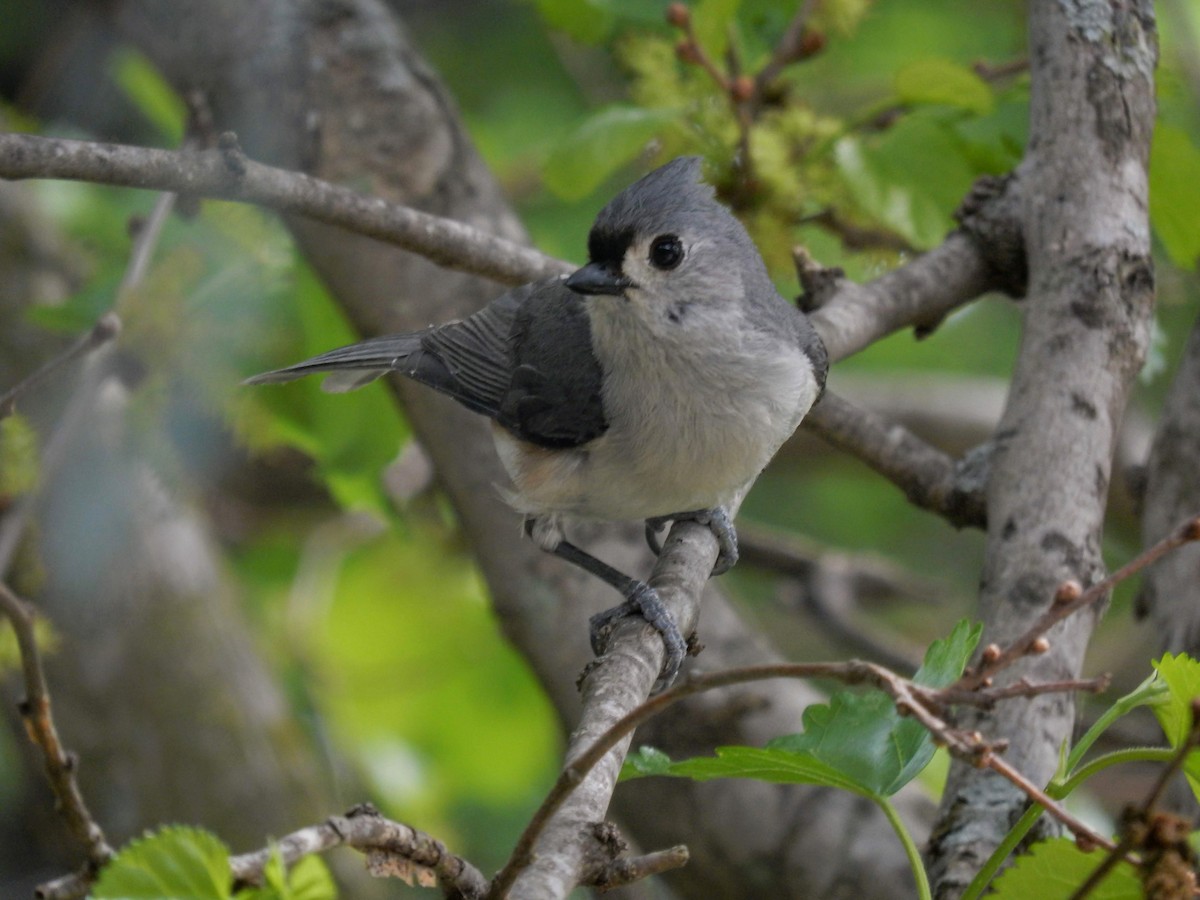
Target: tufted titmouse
[{"x": 654, "y": 383}]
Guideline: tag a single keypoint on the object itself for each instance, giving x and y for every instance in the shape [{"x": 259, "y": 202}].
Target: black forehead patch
[
  {"x": 667, "y": 200},
  {"x": 608, "y": 244}
]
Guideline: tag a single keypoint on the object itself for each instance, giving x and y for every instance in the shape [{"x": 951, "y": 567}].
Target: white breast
[{"x": 690, "y": 424}]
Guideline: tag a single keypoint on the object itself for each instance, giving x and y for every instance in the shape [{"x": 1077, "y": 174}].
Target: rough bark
[{"x": 1085, "y": 328}]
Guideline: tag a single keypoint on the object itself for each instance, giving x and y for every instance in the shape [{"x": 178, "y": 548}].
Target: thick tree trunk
[{"x": 1086, "y": 326}]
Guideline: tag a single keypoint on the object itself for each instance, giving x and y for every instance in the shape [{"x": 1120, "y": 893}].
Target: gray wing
[{"x": 524, "y": 360}]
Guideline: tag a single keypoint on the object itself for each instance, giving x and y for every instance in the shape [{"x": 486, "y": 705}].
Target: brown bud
[
  {"x": 687, "y": 51},
  {"x": 1041, "y": 645},
  {"x": 679, "y": 15},
  {"x": 742, "y": 88},
  {"x": 987, "y": 682},
  {"x": 1191, "y": 531},
  {"x": 1068, "y": 592},
  {"x": 990, "y": 654},
  {"x": 1085, "y": 843},
  {"x": 812, "y": 43}
]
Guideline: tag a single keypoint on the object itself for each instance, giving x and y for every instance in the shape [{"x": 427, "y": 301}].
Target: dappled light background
[{"x": 366, "y": 651}]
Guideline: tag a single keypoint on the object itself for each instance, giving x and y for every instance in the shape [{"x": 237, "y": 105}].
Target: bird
[{"x": 654, "y": 383}]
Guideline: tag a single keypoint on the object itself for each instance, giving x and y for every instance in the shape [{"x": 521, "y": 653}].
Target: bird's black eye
[{"x": 666, "y": 252}]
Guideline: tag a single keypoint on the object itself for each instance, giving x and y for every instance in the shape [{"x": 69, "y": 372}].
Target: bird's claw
[
  {"x": 716, "y": 520},
  {"x": 643, "y": 601}
]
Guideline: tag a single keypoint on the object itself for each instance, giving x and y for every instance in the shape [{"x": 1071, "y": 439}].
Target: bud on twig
[
  {"x": 1040, "y": 645},
  {"x": 742, "y": 88},
  {"x": 990, "y": 654},
  {"x": 679, "y": 15},
  {"x": 1068, "y": 592}
]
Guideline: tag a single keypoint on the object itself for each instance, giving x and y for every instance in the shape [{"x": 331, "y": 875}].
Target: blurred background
[{"x": 350, "y": 652}]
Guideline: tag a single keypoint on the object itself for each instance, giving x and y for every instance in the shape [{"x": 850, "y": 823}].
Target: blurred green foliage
[{"x": 384, "y": 637}]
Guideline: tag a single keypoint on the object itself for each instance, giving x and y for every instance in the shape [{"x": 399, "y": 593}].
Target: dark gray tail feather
[{"x": 352, "y": 366}]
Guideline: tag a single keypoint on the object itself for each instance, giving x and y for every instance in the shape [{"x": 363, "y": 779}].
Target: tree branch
[
  {"x": 36, "y": 711},
  {"x": 392, "y": 849},
  {"x": 227, "y": 174}
]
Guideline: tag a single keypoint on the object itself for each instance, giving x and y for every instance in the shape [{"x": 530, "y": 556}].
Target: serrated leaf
[
  {"x": 1175, "y": 193},
  {"x": 947, "y": 657},
  {"x": 598, "y": 147},
  {"x": 945, "y": 83},
  {"x": 174, "y": 862},
  {"x": 1054, "y": 869},
  {"x": 860, "y": 734},
  {"x": 857, "y": 741}
]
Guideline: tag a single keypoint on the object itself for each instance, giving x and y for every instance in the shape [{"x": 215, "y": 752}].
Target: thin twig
[
  {"x": 788, "y": 50},
  {"x": 106, "y": 329},
  {"x": 1068, "y": 600},
  {"x": 631, "y": 869},
  {"x": 35, "y": 710},
  {"x": 929, "y": 477}
]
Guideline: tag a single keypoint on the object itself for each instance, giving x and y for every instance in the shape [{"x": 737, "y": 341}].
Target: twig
[
  {"x": 929, "y": 478},
  {"x": 1069, "y": 599},
  {"x": 35, "y": 710},
  {"x": 910, "y": 699},
  {"x": 106, "y": 329},
  {"x": 392, "y": 849},
  {"x": 858, "y": 237},
  {"x": 792, "y": 47},
  {"x": 211, "y": 174},
  {"x": 630, "y": 869}
]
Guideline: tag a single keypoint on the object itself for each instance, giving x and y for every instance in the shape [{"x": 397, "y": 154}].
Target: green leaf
[
  {"x": 1181, "y": 674},
  {"x": 1175, "y": 193},
  {"x": 602, "y": 144},
  {"x": 766, "y": 764},
  {"x": 308, "y": 879},
  {"x": 712, "y": 20},
  {"x": 857, "y": 741},
  {"x": 947, "y": 657},
  {"x": 150, "y": 93},
  {"x": 893, "y": 178},
  {"x": 588, "y": 23},
  {"x": 943, "y": 83},
  {"x": 645, "y": 761},
  {"x": 642, "y": 12},
  {"x": 174, "y": 862},
  {"x": 1054, "y": 869},
  {"x": 860, "y": 733}
]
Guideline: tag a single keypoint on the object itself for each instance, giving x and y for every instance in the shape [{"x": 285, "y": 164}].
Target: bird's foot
[
  {"x": 642, "y": 600},
  {"x": 718, "y": 521}
]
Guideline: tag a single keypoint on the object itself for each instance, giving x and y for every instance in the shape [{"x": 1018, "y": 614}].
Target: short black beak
[{"x": 598, "y": 278}]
